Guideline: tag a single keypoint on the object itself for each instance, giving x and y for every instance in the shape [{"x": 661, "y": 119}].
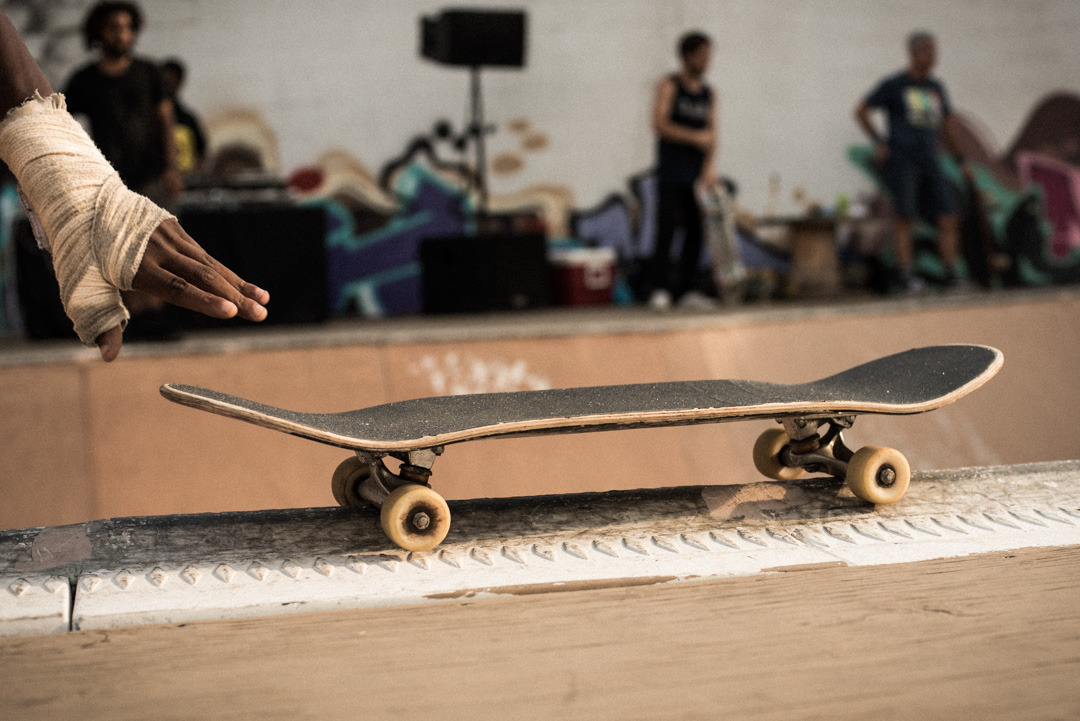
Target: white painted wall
[{"x": 346, "y": 73}]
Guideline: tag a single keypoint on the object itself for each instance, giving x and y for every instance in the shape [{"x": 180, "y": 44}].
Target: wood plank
[
  {"x": 987, "y": 637},
  {"x": 134, "y": 454},
  {"x": 46, "y": 468}
]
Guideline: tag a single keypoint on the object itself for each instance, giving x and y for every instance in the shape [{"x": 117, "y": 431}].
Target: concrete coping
[{"x": 169, "y": 569}]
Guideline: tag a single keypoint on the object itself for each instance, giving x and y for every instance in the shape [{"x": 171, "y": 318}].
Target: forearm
[
  {"x": 862, "y": 117},
  {"x": 20, "y": 76},
  {"x": 166, "y": 117},
  {"x": 951, "y": 137},
  {"x": 708, "y": 166},
  {"x": 678, "y": 134}
]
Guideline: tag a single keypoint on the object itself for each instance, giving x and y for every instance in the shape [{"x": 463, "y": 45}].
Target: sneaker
[
  {"x": 913, "y": 284},
  {"x": 660, "y": 300},
  {"x": 695, "y": 300},
  {"x": 956, "y": 285}
]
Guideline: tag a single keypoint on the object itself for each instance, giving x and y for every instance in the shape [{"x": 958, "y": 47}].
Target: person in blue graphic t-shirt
[{"x": 919, "y": 118}]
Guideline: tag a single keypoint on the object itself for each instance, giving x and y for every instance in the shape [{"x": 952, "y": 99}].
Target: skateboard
[
  {"x": 729, "y": 274},
  {"x": 813, "y": 415}
]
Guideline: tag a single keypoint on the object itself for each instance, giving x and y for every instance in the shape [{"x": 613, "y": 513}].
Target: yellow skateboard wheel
[
  {"x": 878, "y": 475},
  {"x": 348, "y": 476},
  {"x": 415, "y": 517},
  {"x": 767, "y": 456}
]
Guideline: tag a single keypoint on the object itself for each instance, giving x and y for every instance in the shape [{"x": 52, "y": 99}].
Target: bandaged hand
[
  {"x": 96, "y": 227},
  {"x": 98, "y": 230}
]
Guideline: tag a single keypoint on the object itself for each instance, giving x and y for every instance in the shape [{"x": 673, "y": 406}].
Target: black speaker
[
  {"x": 476, "y": 274},
  {"x": 474, "y": 38}
]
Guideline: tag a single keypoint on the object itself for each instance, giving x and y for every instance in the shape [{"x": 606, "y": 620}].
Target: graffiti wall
[
  {"x": 334, "y": 97},
  {"x": 347, "y": 74}
]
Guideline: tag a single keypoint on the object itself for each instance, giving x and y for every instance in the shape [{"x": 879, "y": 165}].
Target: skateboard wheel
[
  {"x": 767, "y": 456},
  {"x": 348, "y": 476},
  {"x": 878, "y": 475},
  {"x": 415, "y": 517}
]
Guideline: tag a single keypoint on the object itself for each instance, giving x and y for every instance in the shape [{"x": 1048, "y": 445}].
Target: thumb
[
  {"x": 109, "y": 343},
  {"x": 93, "y": 305}
]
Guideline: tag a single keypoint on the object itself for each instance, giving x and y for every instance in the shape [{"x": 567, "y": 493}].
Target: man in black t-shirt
[
  {"x": 919, "y": 117},
  {"x": 684, "y": 121},
  {"x": 124, "y": 98}
]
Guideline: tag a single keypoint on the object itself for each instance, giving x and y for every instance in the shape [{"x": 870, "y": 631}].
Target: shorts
[{"x": 917, "y": 186}]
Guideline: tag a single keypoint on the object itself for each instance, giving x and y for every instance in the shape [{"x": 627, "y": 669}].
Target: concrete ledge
[
  {"x": 182, "y": 568},
  {"x": 34, "y": 604}
]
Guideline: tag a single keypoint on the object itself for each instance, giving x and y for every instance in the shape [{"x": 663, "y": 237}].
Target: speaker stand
[{"x": 478, "y": 131}]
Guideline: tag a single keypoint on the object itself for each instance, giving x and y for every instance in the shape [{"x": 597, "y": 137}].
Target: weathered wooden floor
[{"x": 995, "y": 636}]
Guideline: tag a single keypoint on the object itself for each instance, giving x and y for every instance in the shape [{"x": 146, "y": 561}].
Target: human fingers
[
  {"x": 172, "y": 288},
  {"x": 186, "y": 245},
  {"x": 109, "y": 343},
  {"x": 205, "y": 274},
  {"x": 178, "y": 270}
]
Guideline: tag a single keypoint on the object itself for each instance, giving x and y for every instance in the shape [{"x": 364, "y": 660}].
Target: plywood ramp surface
[
  {"x": 96, "y": 441},
  {"x": 984, "y": 637}
]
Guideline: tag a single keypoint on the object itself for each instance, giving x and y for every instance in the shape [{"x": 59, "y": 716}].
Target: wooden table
[{"x": 815, "y": 264}]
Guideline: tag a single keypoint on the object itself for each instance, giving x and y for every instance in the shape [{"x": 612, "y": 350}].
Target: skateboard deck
[
  {"x": 415, "y": 431},
  {"x": 728, "y": 271},
  {"x": 914, "y": 381}
]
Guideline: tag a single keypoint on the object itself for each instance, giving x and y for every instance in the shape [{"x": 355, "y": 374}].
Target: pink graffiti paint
[{"x": 1061, "y": 188}]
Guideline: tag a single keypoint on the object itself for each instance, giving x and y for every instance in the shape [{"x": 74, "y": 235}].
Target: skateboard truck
[
  {"x": 411, "y": 513},
  {"x": 814, "y": 452},
  {"x": 874, "y": 473},
  {"x": 381, "y": 481}
]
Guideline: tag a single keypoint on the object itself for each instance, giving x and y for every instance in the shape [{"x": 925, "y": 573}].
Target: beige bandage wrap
[{"x": 97, "y": 228}]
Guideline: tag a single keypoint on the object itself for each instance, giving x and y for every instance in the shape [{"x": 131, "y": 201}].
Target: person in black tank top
[{"x": 684, "y": 120}]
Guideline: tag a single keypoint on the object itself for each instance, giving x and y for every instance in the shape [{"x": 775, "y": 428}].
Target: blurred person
[
  {"x": 103, "y": 237},
  {"x": 684, "y": 122},
  {"x": 187, "y": 130},
  {"x": 125, "y": 100},
  {"x": 919, "y": 117}
]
